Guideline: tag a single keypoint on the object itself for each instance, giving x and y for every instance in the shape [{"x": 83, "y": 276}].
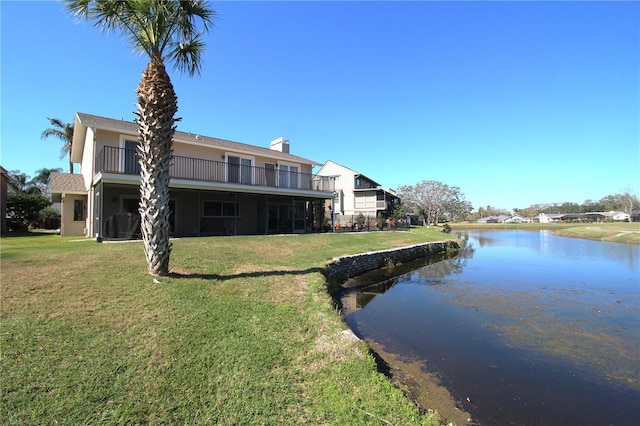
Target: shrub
[
  {"x": 23, "y": 210},
  {"x": 49, "y": 218}
]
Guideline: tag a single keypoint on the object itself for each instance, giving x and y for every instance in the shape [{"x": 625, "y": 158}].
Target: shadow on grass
[
  {"x": 39, "y": 233},
  {"x": 219, "y": 277}
]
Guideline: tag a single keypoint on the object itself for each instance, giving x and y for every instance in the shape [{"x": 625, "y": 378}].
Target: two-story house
[
  {"x": 217, "y": 187},
  {"x": 356, "y": 194},
  {"x": 4, "y": 184}
]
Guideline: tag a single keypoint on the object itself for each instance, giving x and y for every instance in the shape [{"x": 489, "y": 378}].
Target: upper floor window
[
  {"x": 239, "y": 169},
  {"x": 289, "y": 176},
  {"x": 128, "y": 156}
]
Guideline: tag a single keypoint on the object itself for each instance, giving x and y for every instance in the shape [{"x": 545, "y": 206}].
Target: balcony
[{"x": 124, "y": 161}]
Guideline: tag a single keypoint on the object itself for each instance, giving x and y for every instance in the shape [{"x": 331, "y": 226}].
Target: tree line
[
  {"x": 435, "y": 202},
  {"x": 625, "y": 201},
  {"x": 29, "y": 201}
]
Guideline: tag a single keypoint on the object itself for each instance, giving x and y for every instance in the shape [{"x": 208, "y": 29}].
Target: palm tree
[
  {"x": 64, "y": 132},
  {"x": 163, "y": 30},
  {"x": 41, "y": 180},
  {"x": 21, "y": 184}
]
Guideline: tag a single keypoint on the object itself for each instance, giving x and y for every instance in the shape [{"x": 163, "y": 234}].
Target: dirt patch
[{"x": 423, "y": 387}]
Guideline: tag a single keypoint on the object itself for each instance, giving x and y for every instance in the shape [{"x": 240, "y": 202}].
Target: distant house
[
  {"x": 70, "y": 193},
  {"x": 619, "y": 216},
  {"x": 547, "y": 218},
  {"x": 516, "y": 218},
  {"x": 582, "y": 217},
  {"x": 357, "y": 194},
  {"x": 504, "y": 219},
  {"x": 217, "y": 187},
  {"x": 4, "y": 185},
  {"x": 493, "y": 219},
  {"x": 498, "y": 219}
]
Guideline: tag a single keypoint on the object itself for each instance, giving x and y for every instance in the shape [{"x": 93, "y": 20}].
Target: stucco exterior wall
[
  {"x": 87, "y": 165},
  {"x": 344, "y": 185},
  {"x": 4, "y": 183},
  {"x": 69, "y": 226}
]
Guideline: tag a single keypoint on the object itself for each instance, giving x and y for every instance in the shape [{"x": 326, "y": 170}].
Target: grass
[
  {"x": 243, "y": 332},
  {"x": 621, "y": 232}
]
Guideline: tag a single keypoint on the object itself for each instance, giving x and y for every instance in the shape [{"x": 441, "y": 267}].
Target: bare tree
[
  {"x": 629, "y": 200},
  {"x": 434, "y": 200}
]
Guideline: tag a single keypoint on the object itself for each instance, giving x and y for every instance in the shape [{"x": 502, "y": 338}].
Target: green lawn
[
  {"x": 624, "y": 232},
  {"x": 242, "y": 333}
]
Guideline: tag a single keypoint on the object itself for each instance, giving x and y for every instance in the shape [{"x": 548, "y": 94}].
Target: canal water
[{"x": 522, "y": 327}]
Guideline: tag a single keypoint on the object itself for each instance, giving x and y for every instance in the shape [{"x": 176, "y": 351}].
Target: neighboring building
[
  {"x": 218, "y": 187},
  {"x": 4, "y": 185},
  {"x": 548, "y": 218},
  {"x": 516, "y": 218},
  {"x": 619, "y": 216},
  {"x": 504, "y": 219},
  {"x": 494, "y": 219},
  {"x": 357, "y": 194},
  {"x": 69, "y": 192},
  {"x": 582, "y": 217}
]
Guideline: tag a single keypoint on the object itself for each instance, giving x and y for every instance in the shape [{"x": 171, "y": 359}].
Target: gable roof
[
  {"x": 66, "y": 183},
  {"x": 355, "y": 173},
  {"x": 5, "y": 174},
  {"x": 83, "y": 121}
]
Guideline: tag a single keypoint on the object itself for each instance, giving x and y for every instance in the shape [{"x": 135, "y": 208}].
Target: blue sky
[{"x": 516, "y": 103}]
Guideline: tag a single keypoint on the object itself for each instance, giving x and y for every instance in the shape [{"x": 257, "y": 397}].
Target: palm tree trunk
[{"x": 157, "y": 106}]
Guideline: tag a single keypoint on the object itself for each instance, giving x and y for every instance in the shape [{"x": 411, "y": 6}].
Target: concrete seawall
[{"x": 344, "y": 267}]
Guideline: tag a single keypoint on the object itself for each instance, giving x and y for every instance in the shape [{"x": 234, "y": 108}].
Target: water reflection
[
  {"x": 525, "y": 324},
  {"x": 548, "y": 244},
  {"x": 364, "y": 288}
]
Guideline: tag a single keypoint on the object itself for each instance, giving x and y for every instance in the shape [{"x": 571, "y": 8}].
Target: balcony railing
[{"x": 119, "y": 160}]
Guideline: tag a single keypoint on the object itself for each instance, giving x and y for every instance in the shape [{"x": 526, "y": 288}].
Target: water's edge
[{"x": 411, "y": 376}]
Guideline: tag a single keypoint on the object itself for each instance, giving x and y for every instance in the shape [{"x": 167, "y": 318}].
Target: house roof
[
  {"x": 356, "y": 174},
  {"x": 66, "y": 183},
  {"x": 83, "y": 121},
  {"x": 6, "y": 174}
]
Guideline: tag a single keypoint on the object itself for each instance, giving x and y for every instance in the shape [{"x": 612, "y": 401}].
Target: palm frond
[
  {"x": 169, "y": 28},
  {"x": 62, "y": 131},
  {"x": 186, "y": 56},
  {"x": 79, "y": 9}
]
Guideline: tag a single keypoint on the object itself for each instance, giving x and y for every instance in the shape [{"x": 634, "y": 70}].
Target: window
[
  {"x": 221, "y": 209},
  {"x": 270, "y": 174},
  {"x": 128, "y": 156},
  {"x": 78, "y": 210},
  {"x": 288, "y": 176},
  {"x": 239, "y": 169}
]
